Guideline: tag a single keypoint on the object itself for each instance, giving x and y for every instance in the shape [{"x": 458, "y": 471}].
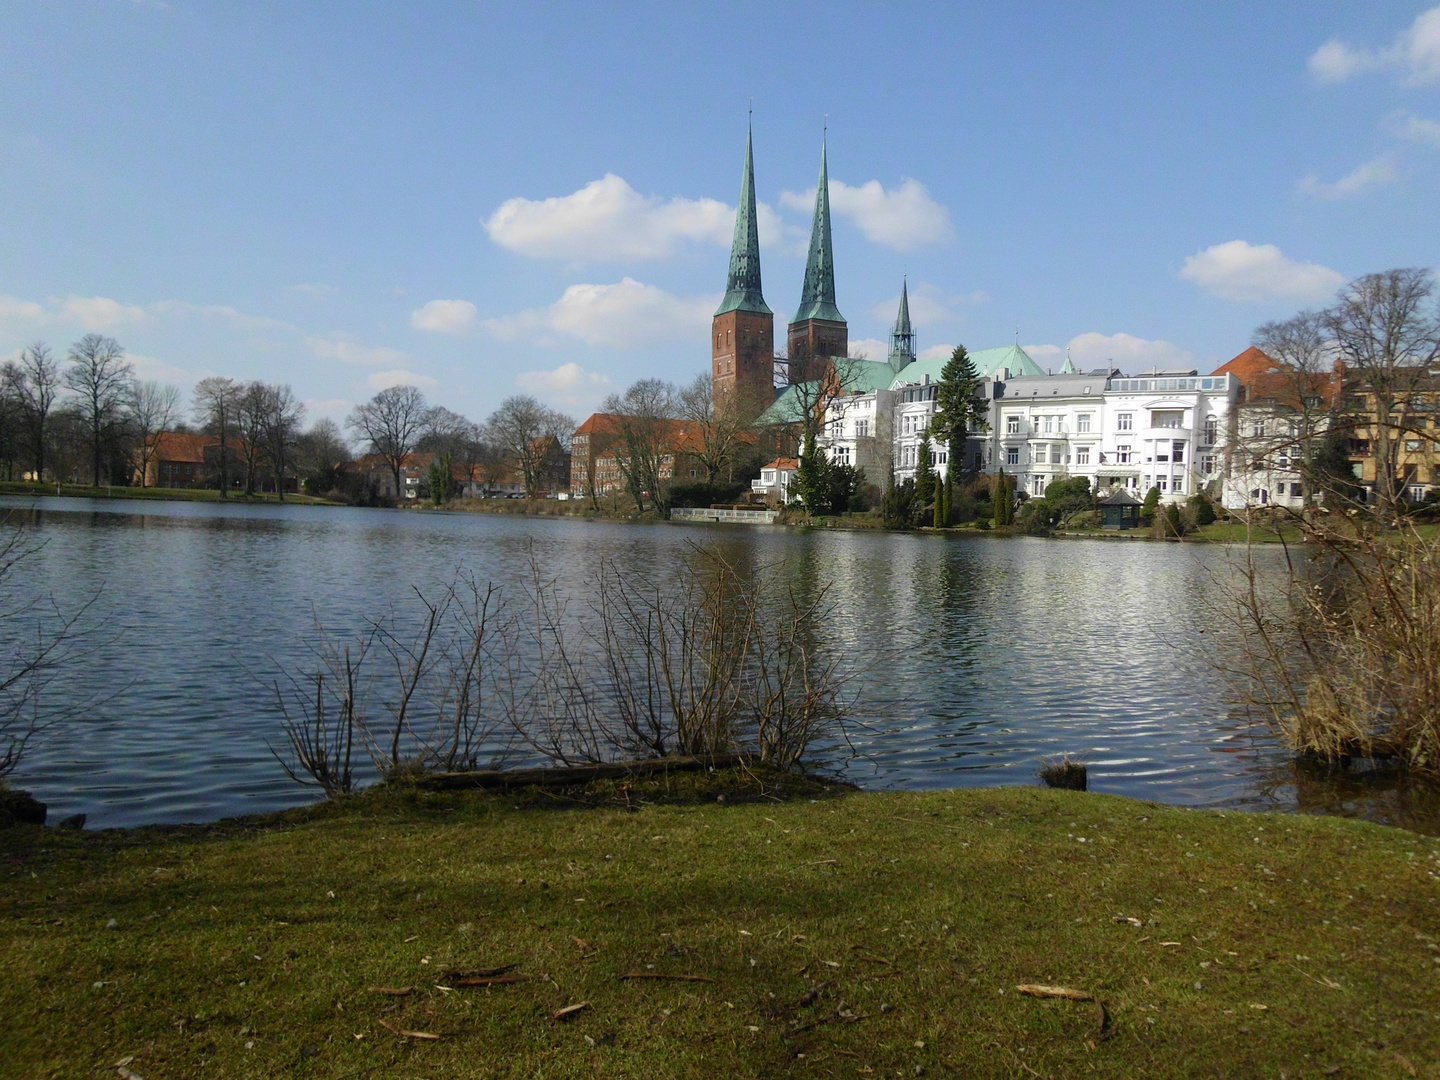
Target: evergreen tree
[
  {"x": 897, "y": 509},
  {"x": 1003, "y": 499},
  {"x": 957, "y": 408},
  {"x": 1148, "y": 508},
  {"x": 941, "y": 511},
  {"x": 813, "y": 479},
  {"x": 924, "y": 471}
]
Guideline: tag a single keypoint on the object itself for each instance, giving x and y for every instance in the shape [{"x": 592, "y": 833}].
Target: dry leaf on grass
[
  {"x": 569, "y": 1010},
  {"x": 126, "y": 1074},
  {"x": 1036, "y": 990},
  {"x": 392, "y": 991}
]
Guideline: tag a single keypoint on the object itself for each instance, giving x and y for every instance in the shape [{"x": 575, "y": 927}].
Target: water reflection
[{"x": 983, "y": 654}]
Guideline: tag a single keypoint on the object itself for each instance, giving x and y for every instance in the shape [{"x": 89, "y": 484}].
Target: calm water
[{"x": 1008, "y": 650}]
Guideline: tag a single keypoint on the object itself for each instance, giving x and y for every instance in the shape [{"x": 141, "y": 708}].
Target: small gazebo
[{"x": 1119, "y": 510}]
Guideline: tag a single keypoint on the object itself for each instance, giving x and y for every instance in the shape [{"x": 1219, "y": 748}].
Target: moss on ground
[{"x": 875, "y": 934}]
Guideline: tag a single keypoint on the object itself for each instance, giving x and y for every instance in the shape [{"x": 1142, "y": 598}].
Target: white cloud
[
  {"x": 902, "y": 218},
  {"x": 149, "y": 367},
  {"x": 569, "y": 386},
  {"x": 334, "y": 408},
  {"x": 1335, "y": 61},
  {"x": 15, "y": 310},
  {"x": 1413, "y": 128},
  {"x": 341, "y": 347},
  {"x": 99, "y": 312},
  {"x": 608, "y": 221},
  {"x": 1415, "y": 51},
  {"x": 625, "y": 315},
  {"x": 1244, "y": 272},
  {"x": 1094, "y": 350},
  {"x": 444, "y": 317},
  {"x": 935, "y": 352},
  {"x": 870, "y": 348},
  {"x": 383, "y": 380},
  {"x": 1376, "y": 173},
  {"x": 928, "y": 305}
]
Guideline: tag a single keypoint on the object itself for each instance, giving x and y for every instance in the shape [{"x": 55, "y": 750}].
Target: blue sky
[{"x": 484, "y": 201}]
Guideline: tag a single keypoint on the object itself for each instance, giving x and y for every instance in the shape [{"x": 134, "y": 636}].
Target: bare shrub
[
  {"x": 320, "y": 730},
  {"x": 42, "y": 641},
  {"x": 1340, "y": 654}
]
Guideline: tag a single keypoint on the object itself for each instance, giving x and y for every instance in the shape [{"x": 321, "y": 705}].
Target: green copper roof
[
  {"x": 742, "y": 293},
  {"x": 988, "y": 363},
  {"x": 1069, "y": 368},
  {"x": 817, "y": 299},
  {"x": 902, "y": 337},
  {"x": 861, "y": 377}
]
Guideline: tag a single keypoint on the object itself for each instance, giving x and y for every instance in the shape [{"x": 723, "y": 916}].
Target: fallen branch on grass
[
  {"x": 663, "y": 975},
  {"x": 1036, "y": 990},
  {"x": 574, "y": 774}
]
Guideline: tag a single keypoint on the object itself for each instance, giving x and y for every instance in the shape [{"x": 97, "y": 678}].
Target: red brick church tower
[{"x": 742, "y": 352}]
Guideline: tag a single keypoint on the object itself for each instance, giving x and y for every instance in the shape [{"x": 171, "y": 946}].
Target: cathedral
[{"x": 743, "y": 331}]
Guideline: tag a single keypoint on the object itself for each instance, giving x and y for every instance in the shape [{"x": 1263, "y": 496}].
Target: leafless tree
[
  {"x": 320, "y": 453},
  {"x": 1387, "y": 333},
  {"x": 38, "y": 387},
  {"x": 646, "y": 436},
  {"x": 279, "y": 430},
  {"x": 802, "y": 407},
  {"x": 390, "y": 423},
  {"x": 100, "y": 377},
  {"x": 251, "y": 406},
  {"x": 523, "y": 429},
  {"x": 719, "y": 426},
  {"x": 151, "y": 408},
  {"x": 215, "y": 408},
  {"x": 12, "y": 417}
]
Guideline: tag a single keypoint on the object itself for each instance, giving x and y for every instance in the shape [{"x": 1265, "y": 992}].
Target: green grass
[
  {"x": 83, "y": 491},
  {"x": 1267, "y": 945}
]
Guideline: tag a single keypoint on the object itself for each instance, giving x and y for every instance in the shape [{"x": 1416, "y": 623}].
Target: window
[
  {"x": 1212, "y": 430},
  {"x": 1177, "y": 451},
  {"x": 1412, "y": 445},
  {"x": 1038, "y": 484},
  {"x": 862, "y": 429},
  {"x": 1082, "y": 455},
  {"x": 1082, "y": 423},
  {"x": 841, "y": 455},
  {"x": 1179, "y": 485},
  {"x": 1125, "y": 421},
  {"x": 1207, "y": 464},
  {"x": 1012, "y": 455},
  {"x": 1012, "y": 425},
  {"x": 1163, "y": 483},
  {"x": 1122, "y": 454},
  {"x": 1296, "y": 491},
  {"x": 1049, "y": 420},
  {"x": 1166, "y": 418}
]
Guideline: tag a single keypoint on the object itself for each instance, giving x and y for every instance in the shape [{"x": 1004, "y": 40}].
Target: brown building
[
  {"x": 597, "y": 455},
  {"x": 742, "y": 338},
  {"x": 1411, "y": 432},
  {"x": 177, "y": 460}
]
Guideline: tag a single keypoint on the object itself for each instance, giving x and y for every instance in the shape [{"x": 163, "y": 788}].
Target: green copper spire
[
  {"x": 742, "y": 293},
  {"x": 902, "y": 337},
  {"x": 817, "y": 301}
]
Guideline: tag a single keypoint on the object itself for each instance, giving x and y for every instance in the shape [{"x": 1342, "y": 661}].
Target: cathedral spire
[
  {"x": 902, "y": 337},
  {"x": 817, "y": 300},
  {"x": 742, "y": 292}
]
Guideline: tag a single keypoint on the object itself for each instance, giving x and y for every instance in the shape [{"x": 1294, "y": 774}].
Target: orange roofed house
[{"x": 177, "y": 460}]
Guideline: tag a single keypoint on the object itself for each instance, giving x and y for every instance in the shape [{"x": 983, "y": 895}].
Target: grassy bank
[
  {"x": 84, "y": 491},
  {"x": 877, "y": 934}
]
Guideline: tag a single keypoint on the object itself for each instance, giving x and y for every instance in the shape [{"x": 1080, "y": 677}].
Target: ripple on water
[{"x": 981, "y": 656}]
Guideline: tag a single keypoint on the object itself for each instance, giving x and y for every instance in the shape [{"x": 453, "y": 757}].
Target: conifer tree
[
  {"x": 957, "y": 409},
  {"x": 924, "y": 471},
  {"x": 1000, "y": 515},
  {"x": 1151, "y": 504},
  {"x": 941, "y": 510}
]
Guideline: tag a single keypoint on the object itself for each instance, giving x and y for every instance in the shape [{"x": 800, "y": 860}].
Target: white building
[{"x": 1165, "y": 429}]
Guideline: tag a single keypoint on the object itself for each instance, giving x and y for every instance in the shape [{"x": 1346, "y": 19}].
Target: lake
[{"x": 996, "y": 652}]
